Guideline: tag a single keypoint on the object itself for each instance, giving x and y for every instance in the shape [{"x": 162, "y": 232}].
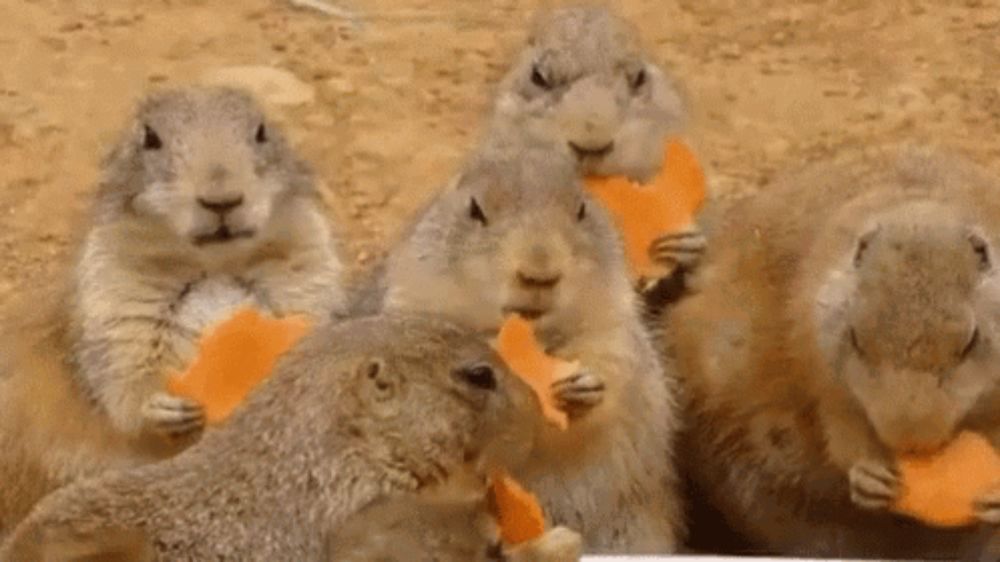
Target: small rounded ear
[
  {"x": 862, "y": 244},
  {"x": 982, "y": 249},
  {"x": 376, "y": 379}
]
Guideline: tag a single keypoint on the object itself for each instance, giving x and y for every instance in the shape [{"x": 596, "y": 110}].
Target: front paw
[
  {"x": 578, "y": 393},
  {"x": 556, "y": 545},
  {"x": 987, "y": 507},
  {"x": 682, "y": 249},
  {"x": 173, "y": 416},
  {"x": 875, "y": 485}
]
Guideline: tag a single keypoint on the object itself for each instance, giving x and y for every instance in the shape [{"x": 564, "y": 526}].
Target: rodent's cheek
[
  {"x": 161, "y": 200},
  {"x": 254, "y": 217}
]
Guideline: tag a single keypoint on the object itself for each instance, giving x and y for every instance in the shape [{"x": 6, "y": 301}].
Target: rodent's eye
[
  {"x": 852, "y": 336},
  {"x": 476, "y": 212},
  {"x": 539, "y": 79},
  {"x": 479, "y": 375},
  {"x": 581, "y": 213},
  {"x": 151, "y": 140},
  {"x": 638, "y": 79},
  {"x": 261, "y": 135},
  {"x": 971, "y": 345}
]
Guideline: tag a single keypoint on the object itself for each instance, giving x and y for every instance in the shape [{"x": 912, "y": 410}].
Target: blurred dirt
[{"x": 399, "y": 88}]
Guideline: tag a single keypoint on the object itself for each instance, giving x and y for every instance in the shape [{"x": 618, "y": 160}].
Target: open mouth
[
  {"x": 584, "y": 153},
  {"x": 222, "y": 235},
  {"x": 526, "y": 312}
]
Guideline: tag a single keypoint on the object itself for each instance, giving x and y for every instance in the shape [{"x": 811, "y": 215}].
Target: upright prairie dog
[
  {"x": 358, "y": 411},
  {"x": 847, "y": 315},
  {"x": 584, "y": 83},
  {"x": 202, "y": 208},
  {"x": 517, "y": 234}
]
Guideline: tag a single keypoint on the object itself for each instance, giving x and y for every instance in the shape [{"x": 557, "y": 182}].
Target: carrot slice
[
  {"x": 233, "y": 358},
  {"x": 518, "y": 513},
  {"x": 517, "y": 345},
  {"x": 941, "y": 489},
  {"x": 644, "y": 212}
]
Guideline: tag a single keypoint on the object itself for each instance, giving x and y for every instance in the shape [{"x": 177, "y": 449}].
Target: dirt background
[{"x": 400, "y": 88}]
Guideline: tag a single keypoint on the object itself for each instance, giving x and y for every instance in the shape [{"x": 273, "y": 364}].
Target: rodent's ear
[
  {"x": 376, "y": 379},
  {"x": 862, "y": 244},
  {"x": 982, "y": 249}
]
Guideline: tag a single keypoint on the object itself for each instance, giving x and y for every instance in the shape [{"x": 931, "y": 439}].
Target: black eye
[
  {"x": 853, "y": 337},
  {"x": 638, "y": 80},
  {"x": 150, "y": 140},
  {"x": 538, "y": 79},
  {"x": 475, "y": 212},
  {"x": 261, "y": 135},
  {"x": 479, "y": 376},
  {"x": 582, "y": 212},
  {"x": 971, "y": 346}
]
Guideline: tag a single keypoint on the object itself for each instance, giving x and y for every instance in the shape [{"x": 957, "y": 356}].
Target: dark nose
[
  {"x": 595, "y": 152},
  {"x": 537, "y": 280},
  {"x": 221, "y": 206}
]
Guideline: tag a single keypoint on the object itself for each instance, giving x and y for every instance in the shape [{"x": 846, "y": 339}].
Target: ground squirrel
[
  {"x": 517, "y": 234},
  {"x": 585, "y": 84},
  {"x": 846, "y": 313},
  {"x": 357, "y": 411},
  {"x": 202, "y": 208}
]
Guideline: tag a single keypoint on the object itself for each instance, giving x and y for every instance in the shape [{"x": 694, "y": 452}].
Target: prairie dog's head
[
  {"x": 516, "y": 233},
  {"x": 584, "y": 83},
  {"x": 909, "y": 323},
  {"x": 429, "y": 397},
  {"x": 205, "y": 164}
]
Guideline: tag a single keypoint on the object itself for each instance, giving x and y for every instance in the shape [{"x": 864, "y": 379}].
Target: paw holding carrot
[
  {"x": 657, "y": 219},
  {"x": 517, "y": 512},
  {"x": 959, "y": 485},
  {"x": 233, "y": 358}
]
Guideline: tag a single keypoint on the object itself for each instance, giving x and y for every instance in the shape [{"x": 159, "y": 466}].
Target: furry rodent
[
  {"x": 356, "y": 412},
  {"x": 844, "y": 316}
]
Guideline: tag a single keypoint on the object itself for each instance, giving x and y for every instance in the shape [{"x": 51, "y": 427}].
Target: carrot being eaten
[
  {"x": 233, "y": 358},
  {"x": 941, "y": 489},
  {"x": 517, "y": 345},
  {"x": 645, "y": 212}
]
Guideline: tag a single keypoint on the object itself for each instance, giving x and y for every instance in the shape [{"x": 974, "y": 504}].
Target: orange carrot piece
[
  {"x": 518, "y": 513},
  {"x": 233, "y": 358},
  {"x": 517, "y": 345},
  {"x": 643, "y": 213},
  {"x": 941, "y": 489}
]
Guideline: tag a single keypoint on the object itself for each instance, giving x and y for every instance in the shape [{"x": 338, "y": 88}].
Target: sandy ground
[{"x": 401, "y": 90}]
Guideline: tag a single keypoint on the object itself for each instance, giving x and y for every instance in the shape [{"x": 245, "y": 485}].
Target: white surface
[{"x": 690, "y": 559}]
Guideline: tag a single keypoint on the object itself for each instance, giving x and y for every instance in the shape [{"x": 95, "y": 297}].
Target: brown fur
[
  {"x": 358, "y": 411},
  {"x": 83, "y": 387},
  {"x": 788, "y": 420},
  {"x": 518, "y": 234}
]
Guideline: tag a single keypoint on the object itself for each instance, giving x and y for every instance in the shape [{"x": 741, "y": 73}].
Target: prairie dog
[
  {"x": 517, "y": 234},
  {"x": 847, "y": 315},
  {"x": 357, "y": 411},
  {"x": 202, "y": 208},
  {"x": 585, "y": 84}
]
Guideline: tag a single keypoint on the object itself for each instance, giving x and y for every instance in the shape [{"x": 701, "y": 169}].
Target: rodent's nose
[
  {"x": 582, "y": 152},
  {"x": 538, "y": 280},
  {"x": 221, "y": 206}
]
